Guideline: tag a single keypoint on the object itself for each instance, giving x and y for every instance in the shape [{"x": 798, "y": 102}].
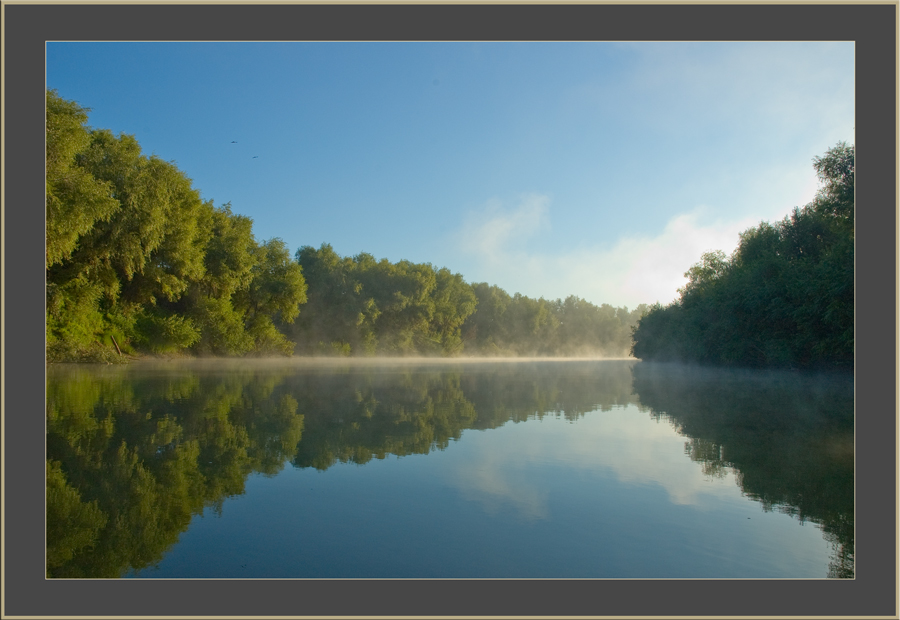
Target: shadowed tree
[{"x": 783, "y": 298}]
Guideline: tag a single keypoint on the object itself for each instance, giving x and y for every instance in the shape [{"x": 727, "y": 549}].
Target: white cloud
[
  {"x": 489, "y": 233},
  {"x": 650, "y": 269},
  {"x": 635, "y": 269}
]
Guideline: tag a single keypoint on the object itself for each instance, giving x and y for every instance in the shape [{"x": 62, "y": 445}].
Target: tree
[
  {"x": 336, "y": 318},
  {"x": 229, "y": 259},
  {"x": 360, "y": 306},
  {"x": 76, "y": 201},
  {"x": 273, "y": 297},
  {"x": 712, "y": 266},
  {"x": 783, "y": 298},
  {"x": 837, "y": 172},
  {"x": 483, "y": 331},
  {"x": 454, "y": 301}
]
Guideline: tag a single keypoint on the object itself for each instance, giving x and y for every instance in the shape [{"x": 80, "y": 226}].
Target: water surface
[{"x": 575, "y": 469}]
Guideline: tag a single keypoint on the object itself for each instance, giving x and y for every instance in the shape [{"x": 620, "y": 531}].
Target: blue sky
[{"x": 602, "y": 170}]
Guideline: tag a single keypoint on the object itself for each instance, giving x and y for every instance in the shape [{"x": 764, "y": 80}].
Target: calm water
[{"x": 575, "y": 469}]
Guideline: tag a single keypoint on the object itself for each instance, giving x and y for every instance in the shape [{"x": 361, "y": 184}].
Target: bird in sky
[
  {"x": 234, "y": 141},
  {"x": 254, "y": 157}
]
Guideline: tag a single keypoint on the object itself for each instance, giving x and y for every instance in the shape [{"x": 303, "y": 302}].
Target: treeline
[
  {"x": 784, "y": 298},
  {"x": 360, "y": 306},
  {"x": 138, "y": 262}
]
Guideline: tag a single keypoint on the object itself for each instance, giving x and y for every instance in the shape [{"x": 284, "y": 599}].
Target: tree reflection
[
  {"x": 362, "y": 413},
  {"x": 135, "y": 452},
  {"x": 133, "y": 456},
  {"x": 354, "y": 417},
  {"x": 788, "y": 437}
]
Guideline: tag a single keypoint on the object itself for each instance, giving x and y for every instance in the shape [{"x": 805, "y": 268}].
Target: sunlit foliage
[
  {"x": 76, "y": 200},
  {"x": 137, "y": 261},
  {"x": 360, "y": 306}
]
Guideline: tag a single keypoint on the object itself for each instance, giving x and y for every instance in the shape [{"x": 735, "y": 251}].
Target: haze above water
[{"x": 437, "y": 468}]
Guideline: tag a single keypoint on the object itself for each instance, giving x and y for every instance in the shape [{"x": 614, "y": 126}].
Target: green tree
[
  {"x": 274, "y": 296},
  {"x": 712, "y": 266},
  {"x": 336, "y": 318},
  {"x": 76, "y": 200},
  {"x": 230, "y": 257},
  {"x": 152, "y": 248},
  {"x": 360, "y": 306},
  {"x": 837, "y": 172},
  {"x": 783, "y": 298},
  {"x": 454, "y": 302},
  {"x": 483, "y": 330},
  {"x": 402, "y": 292},
  {"x": 136, "y": 258}
]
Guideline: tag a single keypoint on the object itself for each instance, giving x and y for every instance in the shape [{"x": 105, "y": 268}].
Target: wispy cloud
[
  {"x": 492, "y": 231},
  {"x": 503, "y": 245},
  {"x": 648, "y": 269}
]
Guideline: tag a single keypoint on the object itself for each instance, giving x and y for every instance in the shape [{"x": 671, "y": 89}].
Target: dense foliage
[
  {"x": 138, "y": 262},
  {"x": 358, "y": 306},
  {"x": 518, "y": 325},
  {"x": 783, "y": 298},
  {"x": 362, "y": 306}
]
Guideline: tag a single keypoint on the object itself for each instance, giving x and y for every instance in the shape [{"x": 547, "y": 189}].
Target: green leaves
[
  {"x": 277, "y": 288},
  {"x": 712, "y": 266},
  {"x": 836, "y": 170},
  {"x": 362, "y": 306},
  {"x": 785, "y": 296},
  {"x": 166, "y": 334},
  {"x": 76, "y": 200},
  {"x": 132, "y": 249}
]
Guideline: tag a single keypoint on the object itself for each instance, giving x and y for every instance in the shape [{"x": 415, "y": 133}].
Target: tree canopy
[
  {"x": 783, "y": 298},
  {"x": 137, "y": 259},
  {"x": 360, "y": 306}
]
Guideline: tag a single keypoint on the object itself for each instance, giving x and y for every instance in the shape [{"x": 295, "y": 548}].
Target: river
[{"x": 447, "y": 469}]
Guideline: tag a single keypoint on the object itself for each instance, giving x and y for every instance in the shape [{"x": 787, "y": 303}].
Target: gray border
[{"x": 27, "y": 593}]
